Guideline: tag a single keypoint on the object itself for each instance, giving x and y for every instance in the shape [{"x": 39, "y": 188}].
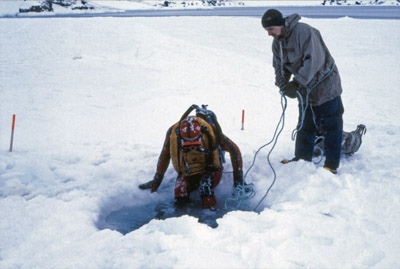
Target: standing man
[{"x": 304, "y": 68}]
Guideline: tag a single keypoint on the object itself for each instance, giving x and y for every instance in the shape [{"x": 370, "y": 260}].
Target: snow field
[{"x": 94, "y": 98}]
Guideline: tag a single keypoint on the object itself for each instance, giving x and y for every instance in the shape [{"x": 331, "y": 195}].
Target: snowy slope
[{"x": 94, "y": 97}]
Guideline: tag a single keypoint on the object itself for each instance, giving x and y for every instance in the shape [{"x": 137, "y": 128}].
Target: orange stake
[
  {"x": 12, "y": 133},
  {"x": 243, "y": 119}
]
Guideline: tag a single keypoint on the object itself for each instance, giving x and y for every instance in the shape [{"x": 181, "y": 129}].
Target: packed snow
[{"x": 93, "y": 99}]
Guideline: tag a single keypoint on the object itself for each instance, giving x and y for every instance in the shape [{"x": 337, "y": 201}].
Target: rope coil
[{"x": 242, "y": 195}]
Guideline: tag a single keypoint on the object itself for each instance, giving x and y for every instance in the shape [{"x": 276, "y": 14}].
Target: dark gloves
[
  {"x": 153, "y": 184},
  {"x": 243, "y": 191},
  {"x": 290, "y": 89},
  {"x": 281, "y": 81}
]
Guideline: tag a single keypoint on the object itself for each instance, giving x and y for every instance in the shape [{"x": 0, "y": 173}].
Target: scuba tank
[{"x": 210, "y": 117}]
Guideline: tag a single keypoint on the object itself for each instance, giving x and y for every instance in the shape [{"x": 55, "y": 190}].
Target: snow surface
[{"x": 93, "y": 98}]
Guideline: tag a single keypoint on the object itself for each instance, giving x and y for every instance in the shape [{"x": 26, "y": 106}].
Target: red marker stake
[
  {"x": 243, "y": 119},
  {"x": 12, "y": 133}
]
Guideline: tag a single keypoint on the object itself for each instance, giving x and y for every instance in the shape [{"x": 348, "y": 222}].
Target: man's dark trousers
[{"x": 329, "y": 117}]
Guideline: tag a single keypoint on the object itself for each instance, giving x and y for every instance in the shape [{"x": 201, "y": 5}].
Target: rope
[
  {"x": 245, "y": 191},
  {"x": 274, "y": 141},
  {"x": 319, "y": 149},
  {"x": 303, "y": 109},
  {"x": 241, "y": 193}
]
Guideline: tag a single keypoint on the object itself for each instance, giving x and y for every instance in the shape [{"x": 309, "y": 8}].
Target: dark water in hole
[{"x": 127, "y": 219}]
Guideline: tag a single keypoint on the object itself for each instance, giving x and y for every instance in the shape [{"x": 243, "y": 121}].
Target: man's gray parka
[{"x": 301, "y": 52}]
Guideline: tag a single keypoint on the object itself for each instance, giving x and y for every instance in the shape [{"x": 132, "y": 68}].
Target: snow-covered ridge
[{"x": 11, "y": 7}]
